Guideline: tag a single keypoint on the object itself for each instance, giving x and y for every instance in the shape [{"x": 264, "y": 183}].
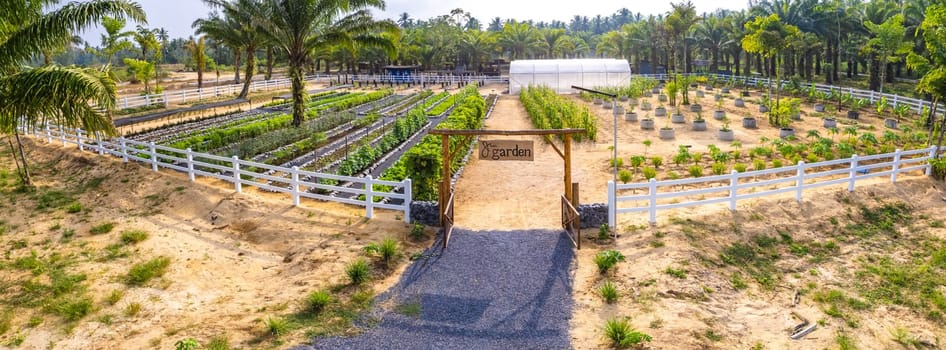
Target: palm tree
[
  {"x": 476, "y": 47},
  {"x": 226, "y": 31},
  {"x": 53, "y": 94},
  {"x": 711, "y": 34},
  {"x": 114, "y": 39},
  {"x": 520, "y": 40},
  {"x": 196, "y": 48},
  {"x": 243, "y": 29},
  {"x": 678, "y": 24},
  {"x": 553, "y": 41},
  {"x": 301, "y": 28}
]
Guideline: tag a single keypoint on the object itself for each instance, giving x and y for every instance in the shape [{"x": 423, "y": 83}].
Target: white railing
[
  {"x": 736, "y": 186},
  {"x": 182, "y": 96},
  {"x": 241, "y": 172}
]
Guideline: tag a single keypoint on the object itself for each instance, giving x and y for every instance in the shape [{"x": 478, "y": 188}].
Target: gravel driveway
[{"x": 488, "y": 290}]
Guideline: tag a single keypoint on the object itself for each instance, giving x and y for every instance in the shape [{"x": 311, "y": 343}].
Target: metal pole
[{"x": 614, "y": 160}]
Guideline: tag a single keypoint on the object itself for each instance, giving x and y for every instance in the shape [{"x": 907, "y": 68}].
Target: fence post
[
  {"x": 62, "y": 136},
  {"x": 121, "y": 144},
  {"x": 79, "y": 139},
  {"x": 295, "y": 185},
  {"x": 733, "y": 182},
  {"x": 800, "y": 180},
  {"x": 896, "y": 165},
  {"x": 369, "y": 197},
  {"x": 872, "y": 96},
  {"x": 190, "y": 163},
  {"x": 125, "y": 99},
  {"x": 612, "y": 205},
  {"x": 408, "y": 198},
  {"x": 98, "y": 142},
  {"x": 653, "y": 201},
  {"x": 183, "y": 96},
  {"x": 238, "y": 186},
  {"x": 929, "y": 166},
  {"x": 154, "y": 156},
  {"x": 49, "y": 135},
  {"x": 853, "y": 177}
]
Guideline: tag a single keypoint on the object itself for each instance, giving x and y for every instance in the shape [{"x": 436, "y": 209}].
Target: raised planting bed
[{"x": 549, "y": 110}]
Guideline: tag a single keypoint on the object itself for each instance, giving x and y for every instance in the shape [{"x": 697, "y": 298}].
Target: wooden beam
[
  {"x": 568, "y": 167},
  {"x": 539, "y": 132},
  {"x": 445, "y": 181},
  {"x": 555, "y": 147}
]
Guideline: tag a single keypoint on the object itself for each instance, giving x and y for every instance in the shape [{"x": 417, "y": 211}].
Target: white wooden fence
[
  {"x": 731, "y": 188},
  {"x": 873, "y": 96},
  {"x": 242, "y": 172},
  {"x": 182, "y": 96}
]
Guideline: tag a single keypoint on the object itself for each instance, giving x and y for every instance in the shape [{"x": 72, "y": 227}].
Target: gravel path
[{"x": 488, "y": 290}]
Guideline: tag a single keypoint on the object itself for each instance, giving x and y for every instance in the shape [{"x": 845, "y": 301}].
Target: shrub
[
  {"x": 739, "y": 167},
  {"x": 135, "y": 236},
  {"x": 358, "y": 272},
  {"x": 719, "y": 168},
  {"x": 114, "y": 297},
  {"x": 657, "y": 161},
  {"x": 72, "y": 308},
  {"x": 649, "y": 173},
  {"x": 678, "y": 273},
  {"x": 609, "y": 292},
  {"x": 623, "y": 335},
  {"x": 604, "y": 232},
  {"x": 132, "y": 310},
  {"x": 418, "y": 232},
  {"x": 218, "y": 343},
  {"x": 187, "y": 344},
  {"x": 637, "y": 161},
  {"x": 318, "y": 300},
  {"x": 617, "y": 162},
  {"x": 143, "y": 272},
  {"x": 74, "y": 208},
  {"x": 387, "y": 250},
  {"x": 102, "y": 228},
  {"x": 624, "y": 175},
  {"x": 758, "y": 164},
  {"x": 696, "y": 170},
  {"x": 607, "y": 259},
  {"x": 776, "y": 163},
  {"x": 276, "y": 326}
]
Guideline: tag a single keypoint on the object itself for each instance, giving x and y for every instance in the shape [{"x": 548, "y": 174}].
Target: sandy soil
[{"x": 236, "y": 258}]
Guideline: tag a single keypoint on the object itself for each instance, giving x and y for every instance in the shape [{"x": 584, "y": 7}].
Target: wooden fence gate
[{"x": 571, "y": 219}]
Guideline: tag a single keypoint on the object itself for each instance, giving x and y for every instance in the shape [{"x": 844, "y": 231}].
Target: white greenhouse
[{"x": 562, "y": 74}]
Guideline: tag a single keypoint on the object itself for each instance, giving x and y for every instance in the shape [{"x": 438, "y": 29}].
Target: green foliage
[
  {"x": 637, "y": 161},
  {"x": 74, "y": 208},
  {"x": 72, "y": 308},
  {"x": 187, "y": 344},
  {"x": 657, "y": 161},
  {"x": 366, "y": 155},
  {"x": 622, "y": 335},
  {"x": 141, "y": 273},
  {"x": 549, "y": 110},
  {"x": 719, "y": 168},
  {"x": 418, "y": 232},
  {"x": 318, "y": 300},
  {"x": 387, "y": 250},
  {"x": 609, "y": 292},
  {"x": 102, "y": 228},
  {"x": 695, "y": 170},
  {"x": 604, "y": 232},
  {"x": 358, "y": 272},
  {"x": 739, "y": 167},
  {"x": 133, "y": 236},
  {"x": 276, "y": 326},
  {"x": 624, "y": 175},
  {"x": 678, "y": 273},
  {"x": 607, "y": 259},
  {"x": 649, "y": 173}
]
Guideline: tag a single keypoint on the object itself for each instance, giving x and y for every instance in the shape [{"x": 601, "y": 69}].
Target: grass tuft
[
  {"x": 141, "y": 273},
  {"x": 133, "y": 236}
]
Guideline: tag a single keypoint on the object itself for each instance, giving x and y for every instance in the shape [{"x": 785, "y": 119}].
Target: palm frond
[
  {"x": 62, "y": 95},
  {"x": 53, "y": 29}
]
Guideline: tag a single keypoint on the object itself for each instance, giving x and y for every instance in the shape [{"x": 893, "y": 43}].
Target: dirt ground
[
  {"x": 236, "y": 258},
  {"x": 703, "y": 311}
]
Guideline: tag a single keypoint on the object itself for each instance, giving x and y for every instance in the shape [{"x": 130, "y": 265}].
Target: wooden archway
[{"x": 445, "y": 195}]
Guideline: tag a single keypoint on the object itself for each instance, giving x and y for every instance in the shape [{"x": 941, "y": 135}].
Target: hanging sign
[{"x": 522, "y": 150}]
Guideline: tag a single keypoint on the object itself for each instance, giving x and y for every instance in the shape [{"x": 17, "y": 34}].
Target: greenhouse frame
[{"x": 562, "y": 74}]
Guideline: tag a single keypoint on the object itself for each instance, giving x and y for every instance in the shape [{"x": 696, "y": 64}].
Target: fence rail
[
  {"x": 183, "y": 96},
  {"x": 240, "y": 172},
  {"x": 736, "y": 186}
]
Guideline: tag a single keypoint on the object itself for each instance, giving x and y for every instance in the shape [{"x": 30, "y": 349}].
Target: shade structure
[{"x": 561, "y": 74}]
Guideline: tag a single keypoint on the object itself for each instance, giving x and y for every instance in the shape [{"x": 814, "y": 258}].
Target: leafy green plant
[
  {"x": 624, "y": 175},
  {"x": 606, "y": 260},
  {"x": 649, "y": 173},
  {"x": 133, "y": 236},
  {"x": 387, "y": 250},
  {"x": 678, "y": 273},
  {"x": 318, "y": 300},
  {"x": 695, "y": 170},
  {"x": 74, "y": 208},
  {"x": 358, "y": 271},
  {"x": 609, "y": 292},
  {"x": 187, "y": 344},
  {"x": 141, "y": 273},
  {"x": 276, "y": 326},
  {"x": 657, "y": 161},
  {"x": 218, "y": 343},
  {"x": 622, "y": 335},
  {"x": 604, "y": 232},
  {"x": 418, "y": 232},
  {"x": 102, "y": 228}
]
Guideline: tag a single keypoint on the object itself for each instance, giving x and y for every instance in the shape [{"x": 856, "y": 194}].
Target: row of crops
[
  {"x": 549, "y": 110},
  {"x": 422, "y": 163}
]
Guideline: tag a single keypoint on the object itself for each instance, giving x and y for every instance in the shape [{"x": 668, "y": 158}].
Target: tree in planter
[
  {"x": 784, "y": 110},
  {"x": 768, "y": 36},
  {"x": 673, "y": 88}
]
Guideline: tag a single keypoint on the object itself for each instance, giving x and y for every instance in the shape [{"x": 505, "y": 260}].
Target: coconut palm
[
  {"x": 114, "y": 39},
  {"x": 52, "y": 94},
  {"x": 240, "y": 29},
  {"x": 197, "y": 50},
  {"x": 302, "y": 28},
  {"x": 475, "y": 47},
  {"x": 520, "y": 40}
]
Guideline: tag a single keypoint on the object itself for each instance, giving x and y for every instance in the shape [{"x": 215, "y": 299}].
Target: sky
[{"x": 177, "y": 15}]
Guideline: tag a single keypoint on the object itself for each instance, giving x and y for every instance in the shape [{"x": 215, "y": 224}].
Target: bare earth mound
[{"x": 235, "y": 260}]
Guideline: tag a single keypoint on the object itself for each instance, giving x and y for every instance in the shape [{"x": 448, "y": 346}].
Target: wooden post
[
  {"x": 445, "y": 174},
  {"x": 568, "y": 168}
]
